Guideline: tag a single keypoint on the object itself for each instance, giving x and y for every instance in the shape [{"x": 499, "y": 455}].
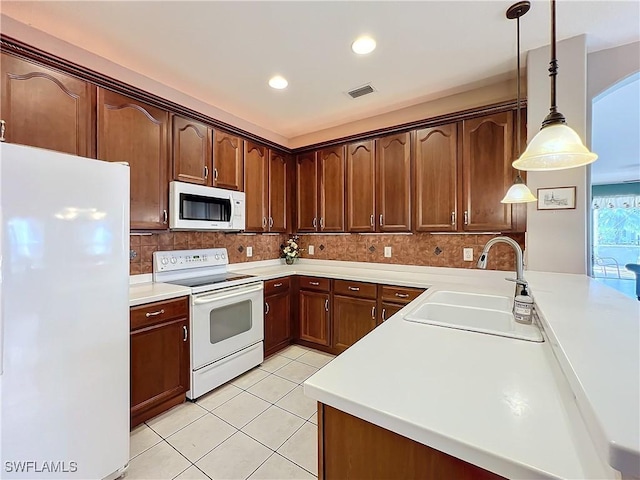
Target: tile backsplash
[
  {"x": 424, "y": 249},
  {"x": 416, "y": 249}
]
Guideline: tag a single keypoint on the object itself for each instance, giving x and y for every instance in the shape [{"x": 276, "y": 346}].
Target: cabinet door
[
  {"x": 361, "y": 187},
  {"x": 487, "y": 172},
  {"x": 394, "y": 183},
  {"x": 331, "y": 170},
  {"x": 228, "y": 165},
  {"x": 387, "y": 310},
  {"x": 46, "y": 109},
  {"x": 314, "y": 317},
  {"x": 133, "y": 132},
  {"x": 277, "y": 323},
  {"x": 256, "y": 186},
  {"x": 191, "y": 151},
  {"x": 353, "y": 318},
  {"x": 278, "y": 192},
  {"x": 435, "y": 166},
  {"x": 159, "y": 364},
  {"x": 306, "y": 193}
]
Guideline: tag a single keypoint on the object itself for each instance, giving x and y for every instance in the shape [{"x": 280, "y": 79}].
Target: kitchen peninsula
[{"x": 518, "y": 409}]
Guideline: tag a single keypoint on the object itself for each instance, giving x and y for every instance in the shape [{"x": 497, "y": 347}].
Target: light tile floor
[{"x": 259, "y": 426}]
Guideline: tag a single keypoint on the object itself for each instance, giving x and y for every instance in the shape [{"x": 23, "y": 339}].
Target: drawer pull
[
  {"x": 315, "y": 284},
  {"x": 153, "y": 314},
  {"x": 402, "y": 295},
  {"x": 276, "y": 285},
  {"x": 354, "y": 289}
]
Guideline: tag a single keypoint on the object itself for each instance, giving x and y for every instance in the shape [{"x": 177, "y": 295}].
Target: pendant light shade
[
  {"x": 518, "y": 192},
  {"x": 556, "y": 146}
]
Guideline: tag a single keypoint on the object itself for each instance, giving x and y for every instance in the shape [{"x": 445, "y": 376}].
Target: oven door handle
[{"x": 215, "y": 297}]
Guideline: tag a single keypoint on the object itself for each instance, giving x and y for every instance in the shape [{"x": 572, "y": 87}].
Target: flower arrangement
[{"x": 291, "y": 250}]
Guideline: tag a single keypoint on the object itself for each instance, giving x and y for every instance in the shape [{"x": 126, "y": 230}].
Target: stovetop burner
[{"x": 209, "y": 280}]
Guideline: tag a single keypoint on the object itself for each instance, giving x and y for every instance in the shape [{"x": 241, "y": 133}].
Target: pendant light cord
[{"x": 518, "y": 90}]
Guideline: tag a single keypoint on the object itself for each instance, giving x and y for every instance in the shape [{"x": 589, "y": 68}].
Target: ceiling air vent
[{"x": 360, "y": 91}]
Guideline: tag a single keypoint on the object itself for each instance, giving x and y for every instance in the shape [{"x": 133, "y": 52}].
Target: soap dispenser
[{"x": 523, "y": 307}]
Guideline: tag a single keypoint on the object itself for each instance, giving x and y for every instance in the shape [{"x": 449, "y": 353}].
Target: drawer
[
  {"x": 314, "y": 283},
  {"x": 157, "y": 312},
  {"x": 277, "y": 285},
  {"x": 355, "y": 289},
  {"x": 401, "y": 295}
]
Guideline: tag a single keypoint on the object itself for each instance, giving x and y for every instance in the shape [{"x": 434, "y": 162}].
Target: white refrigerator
[{"x": 64, "y": 381}]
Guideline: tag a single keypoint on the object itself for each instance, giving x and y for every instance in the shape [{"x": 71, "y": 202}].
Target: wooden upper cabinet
[
  {"x": 133, "y": 132},
  {"x": 331, "y": 166},
  {"x": 306, "y": 193},
  {"x": 435, "y": 177},
  {"x": 46, "y": 109},
  {"x": 228, "y": 164},
  {"x": 191, "y": 151},
  {"x": 487, "y": 171},
  {"x": 256, "y": 187},
  {"x": 393, "y": 154},
  {"x": 278, "y": 192},
  {"x": 361, "y": 187}
]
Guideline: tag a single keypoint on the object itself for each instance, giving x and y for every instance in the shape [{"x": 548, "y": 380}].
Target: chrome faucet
[{"x": 484, "y": 256}]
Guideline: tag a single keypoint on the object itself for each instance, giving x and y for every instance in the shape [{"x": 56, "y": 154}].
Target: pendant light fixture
[
  {"x": 519, "y": 192},
  {"x": 556, "y": 146}
]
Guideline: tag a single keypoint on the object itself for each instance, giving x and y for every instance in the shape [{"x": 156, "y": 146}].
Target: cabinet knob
[{"x": 3, "y": 126}]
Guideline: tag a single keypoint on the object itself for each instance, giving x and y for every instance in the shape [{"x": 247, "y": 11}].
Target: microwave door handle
[
  {"x": 233, "y": 208},
  {"x": 216, "y": 296}
]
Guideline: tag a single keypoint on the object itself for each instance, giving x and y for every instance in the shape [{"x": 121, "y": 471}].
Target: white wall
[{"x": 557, "y": 239}]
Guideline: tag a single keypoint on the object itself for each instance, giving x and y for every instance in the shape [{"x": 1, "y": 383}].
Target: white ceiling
[{"x": 223, "y": 53}]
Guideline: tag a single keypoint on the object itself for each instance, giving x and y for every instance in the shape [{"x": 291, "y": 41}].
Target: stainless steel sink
[{"x": 489, "y": 314}]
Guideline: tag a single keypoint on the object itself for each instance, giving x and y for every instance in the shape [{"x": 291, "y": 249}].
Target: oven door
[{"x": 225, "y": 321}]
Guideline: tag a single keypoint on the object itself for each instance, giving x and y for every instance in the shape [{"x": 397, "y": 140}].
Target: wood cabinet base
[
  {"x": 157, "y": 409},
  {"x": 350, "y": 448}
]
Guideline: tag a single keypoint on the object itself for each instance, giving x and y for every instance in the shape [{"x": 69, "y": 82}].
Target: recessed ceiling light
[
  {"x": 363, "y": 45},
  {"x": 278, "y": 82}
]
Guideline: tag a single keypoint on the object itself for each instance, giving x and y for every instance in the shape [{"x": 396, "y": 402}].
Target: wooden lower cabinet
[
  {"x": 351, "y": 448},
  {"x": 159, "y": 342},
  {"x": 315, "y": 322},
  {"x": 387, "y": 310},
  {"x": 277, "y": 322},
  {"x": 353, "y": 318}
]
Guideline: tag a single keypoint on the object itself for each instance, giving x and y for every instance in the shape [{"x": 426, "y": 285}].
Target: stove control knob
[
  {"x": 174, "y": 260},
  {"x": 217, "y": 257},
  {"x": 224, "y": 256},
  {"x": 164, "y": 260}
]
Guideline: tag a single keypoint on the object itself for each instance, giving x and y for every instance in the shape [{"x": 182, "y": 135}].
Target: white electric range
[{"x": 226, "y": 315}]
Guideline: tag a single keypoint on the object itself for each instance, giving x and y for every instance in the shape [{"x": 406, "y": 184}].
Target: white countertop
[
  {"x": 562, "y": 409},
  {"x": 142, "y": 290}
]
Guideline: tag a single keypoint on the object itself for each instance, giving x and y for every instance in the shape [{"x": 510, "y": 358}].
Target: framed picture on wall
[{"x": 557, "y": 198}]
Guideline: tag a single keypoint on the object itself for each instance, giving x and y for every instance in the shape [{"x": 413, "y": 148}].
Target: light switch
[
  {"x": 387, "y": 252},
  {"x": 467, "y": 255},
  {"x": 311, "y": 250},
  {"x": 249, "y": 251}
]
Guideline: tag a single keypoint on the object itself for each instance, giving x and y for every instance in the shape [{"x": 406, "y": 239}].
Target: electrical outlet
[
  {"x": 467, "y": 255},
  {"x": 311, "y": 250},
  {"x": 387, "y": 252},
  {"x": 249, "y": 251}
]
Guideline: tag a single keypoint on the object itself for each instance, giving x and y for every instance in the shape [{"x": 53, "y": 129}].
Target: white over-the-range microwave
[{"x": 197, "y": 207}]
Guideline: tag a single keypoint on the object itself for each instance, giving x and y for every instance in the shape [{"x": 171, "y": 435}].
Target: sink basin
[
  {"x": 472, "y": 300},
  {"x": 489, "y": 314}
]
